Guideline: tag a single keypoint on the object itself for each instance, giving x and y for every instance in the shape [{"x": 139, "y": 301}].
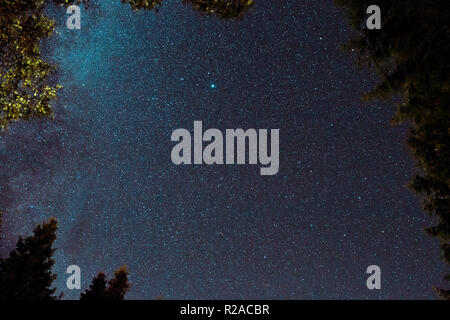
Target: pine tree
[
  {"x": 411, "y": 54},
  {"x": 115, "y": 289},
  {"x": 97, "y": 290},
  {"x": 119, "y": 285},
  {"x": 26, "y": 274}
]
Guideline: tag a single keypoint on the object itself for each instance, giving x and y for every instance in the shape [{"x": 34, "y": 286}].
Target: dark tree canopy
[
  {"x": 26, "y": 274},
  {"x": 144, "y": 4},
  {"x": 97, "y": 290},
  {"x": 411, "y": 54},
  {"x": 26, "y": 90},
  {"x": 221, "y": 8},
  {"x": 1, "y": 225},
  {"x": 114, "y": 289},
  {"x": 119, "y": 285}
]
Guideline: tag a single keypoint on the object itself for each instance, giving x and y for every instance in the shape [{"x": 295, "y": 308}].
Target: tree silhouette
[
  {"x": 115, "y": 289},
  {"x": 443, "y": 294},
  {"x": 1, "y": 225},
  {"x": 222, "y": 8},
  {"x": 26, "y": 89},
  {"x": 26, "y": 274},
  {"x": 410, "y": 53},
  {"x": 97, "y": 290}
]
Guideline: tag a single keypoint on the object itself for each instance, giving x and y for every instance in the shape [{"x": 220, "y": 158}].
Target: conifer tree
[
  {"x": 26, "y": 274},
  {"x": 97, "y": 290},
  {"x": 114, "y": 289},
  {"x": 119, "y": 285},
  {"x": 411, "y": 54}
]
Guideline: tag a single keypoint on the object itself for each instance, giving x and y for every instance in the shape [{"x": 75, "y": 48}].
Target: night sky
[{"x": 103, "y": 167}]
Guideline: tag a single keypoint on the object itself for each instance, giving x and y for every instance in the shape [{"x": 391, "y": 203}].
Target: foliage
[
  {"x": 26, "y": 89},
  {"x": 26, "y": 274},
  {"x": 222, "y": 8},
  {"x": 411, "y": 54},
  {"x": 1, "y": 225},
  {"x": 144, "y": 4},
  {"x": 115, "y": 289}
]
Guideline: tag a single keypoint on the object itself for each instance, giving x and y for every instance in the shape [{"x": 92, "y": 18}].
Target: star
[{"x": 103, "y": 166}]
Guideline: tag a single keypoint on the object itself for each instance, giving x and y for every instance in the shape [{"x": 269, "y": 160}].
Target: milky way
[{"x": 103, "y": 168}]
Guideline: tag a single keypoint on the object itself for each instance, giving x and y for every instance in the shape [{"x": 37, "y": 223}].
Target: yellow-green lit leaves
[
  {"x": 25, "y": 91},
  {"x": 25, "y": 87}
]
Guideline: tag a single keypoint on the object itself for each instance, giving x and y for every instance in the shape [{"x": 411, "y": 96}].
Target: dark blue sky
[{"x": 103, "y": 168}]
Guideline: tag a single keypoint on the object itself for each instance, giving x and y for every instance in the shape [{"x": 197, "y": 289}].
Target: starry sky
[{"x": 102, "y": 167}]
